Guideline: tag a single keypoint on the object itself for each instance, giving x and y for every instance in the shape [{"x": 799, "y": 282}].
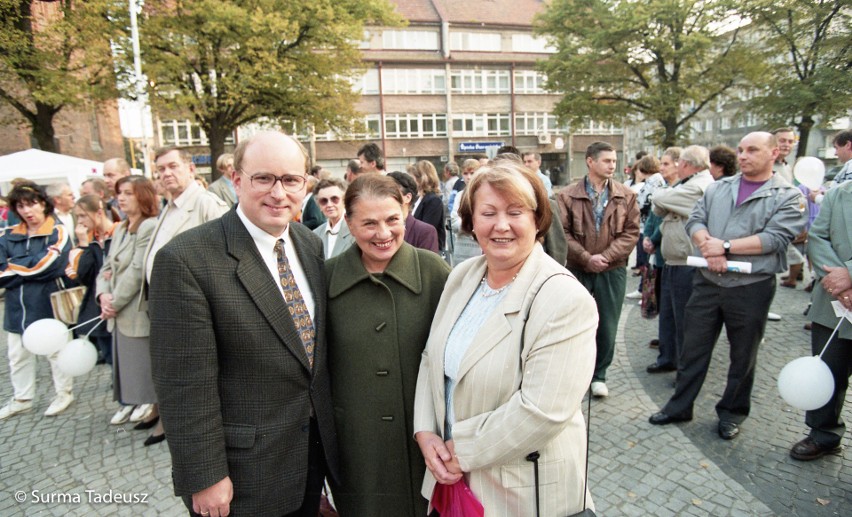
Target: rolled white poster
[{"x": 733, "y": 266}]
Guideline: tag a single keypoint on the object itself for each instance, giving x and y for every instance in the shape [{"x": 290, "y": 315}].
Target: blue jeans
[{"x": 675, "y": 289}]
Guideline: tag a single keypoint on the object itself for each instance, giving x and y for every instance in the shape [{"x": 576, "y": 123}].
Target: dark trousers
[
  {"x": 742, "y": 310},
  {"x": 607, "y": 288},
  {"x": 316, "y": 478},
  {"x": 827, "y": 426},
  {"x": 675, "y": 289}
]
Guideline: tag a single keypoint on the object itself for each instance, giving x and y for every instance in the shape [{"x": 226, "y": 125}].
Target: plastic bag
[{"x": 456, "y": 500}]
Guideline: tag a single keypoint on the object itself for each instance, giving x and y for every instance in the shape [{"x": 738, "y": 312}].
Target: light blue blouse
[{"x": 478, "y": 309}]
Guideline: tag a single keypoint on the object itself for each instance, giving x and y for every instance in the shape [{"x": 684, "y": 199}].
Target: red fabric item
[{"x": 456, "y": 500}]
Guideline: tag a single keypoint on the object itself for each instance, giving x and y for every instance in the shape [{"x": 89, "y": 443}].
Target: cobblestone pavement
[{"x": 72, "y": 464}]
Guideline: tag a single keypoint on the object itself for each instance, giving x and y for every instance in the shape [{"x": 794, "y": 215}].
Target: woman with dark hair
[
  {"x": 118, "y": 288},
  {"x": 374, "y": 357},
  {"x": 33, "y": 256},
  {"x": 417, "y": 233},
  {"x": 94, "y": 236},
  {"x": 509, "y": 358},
  {"x": 429, "y": 208},
  {"x": 723, "y": 161}
]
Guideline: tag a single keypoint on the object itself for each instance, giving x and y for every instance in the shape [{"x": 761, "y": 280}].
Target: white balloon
[
  {"x": 45, "y": 337},
  {"x": 78, "y": 358},
  {"x": 810, "y": 172},
  {"x": 806, "y": 383}
]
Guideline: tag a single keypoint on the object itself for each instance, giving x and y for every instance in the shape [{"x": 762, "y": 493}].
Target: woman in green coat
[{"x": 382, "y": 294}]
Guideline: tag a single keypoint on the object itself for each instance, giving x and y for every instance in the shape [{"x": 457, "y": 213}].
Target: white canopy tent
[{"x": 44, "y": 168}]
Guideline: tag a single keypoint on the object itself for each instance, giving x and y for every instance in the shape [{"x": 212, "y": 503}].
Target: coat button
[{"x": 306, "y": 427}]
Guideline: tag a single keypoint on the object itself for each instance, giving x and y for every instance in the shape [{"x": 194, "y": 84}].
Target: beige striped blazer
[{"x": 510, "y": 402}]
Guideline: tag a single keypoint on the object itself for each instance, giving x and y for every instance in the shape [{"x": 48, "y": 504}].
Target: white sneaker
[
  {"x": 773, "y": 317},
  {"x": 141, "y": 412},
  {"x": 59, "y": 404},
  {"x": 14, "y": 407},
  {"x": 122, "y": 415},
  {"x": 599, "y": 389},
  {"x": 635, "y": 295}
]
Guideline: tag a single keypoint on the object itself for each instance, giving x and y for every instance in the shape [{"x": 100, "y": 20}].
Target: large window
[
  {"x": 416, "y": 125},
  {"x": 530, "y": 43},
  {"x": 481, "y": 124},
  {"x": 479, "y": 81},
  {"x": 529, "y": 81},
  {"x": 410, "y": 39},
  {"x": 476, "y": 41},
  {"x": 535, "y": 123},
  {"x": 413, "y": 80},
  {"x": 599, "y": 128},
  {"x": 184, "y": 132}
]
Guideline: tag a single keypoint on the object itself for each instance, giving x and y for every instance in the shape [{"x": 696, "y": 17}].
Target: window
[
  {"x": 369, "y": 83},
  {"x": 535, "y": 123},
  {"x": 184, "y": 132},
  {"x": 708, "y": 124},
  {"x": 415, "y": 125},
  {"x": 725, "y": 123},
  {"x": 475, "y": 41},
  {"x": 530, "y": 43},
  {"x": 410, "y": 40},
  {"x": 481, "y": 124},
  {"x": 413, "y": 81},
  {"x": 599, "y": 128},
  {"x": 529, "y": 81},
  {"x": 479, "y": 81}
]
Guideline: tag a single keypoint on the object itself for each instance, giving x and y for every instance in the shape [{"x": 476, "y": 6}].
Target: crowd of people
[{"x": 416, "y": 330}]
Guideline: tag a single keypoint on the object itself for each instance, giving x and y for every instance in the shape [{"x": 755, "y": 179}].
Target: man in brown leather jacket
[{"x": 601, "y": 221}]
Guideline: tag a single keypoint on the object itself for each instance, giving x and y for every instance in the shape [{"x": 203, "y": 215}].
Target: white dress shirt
[
  {"x": 331, "y": 235},
  {"x": 266, "y": 247}
]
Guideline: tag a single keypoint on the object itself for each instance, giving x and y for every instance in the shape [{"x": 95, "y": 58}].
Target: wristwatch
[{"x": 727, "y": 246}]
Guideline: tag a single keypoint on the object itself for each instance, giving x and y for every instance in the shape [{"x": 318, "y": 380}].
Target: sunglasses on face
[{"x": 325, "y": 200}]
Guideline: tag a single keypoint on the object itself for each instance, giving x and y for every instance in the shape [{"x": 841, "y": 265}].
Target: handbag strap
[{"x": 534, "y": 456}]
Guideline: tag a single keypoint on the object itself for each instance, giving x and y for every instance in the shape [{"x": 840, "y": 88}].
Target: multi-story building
[{"x": 458, "y": 81}]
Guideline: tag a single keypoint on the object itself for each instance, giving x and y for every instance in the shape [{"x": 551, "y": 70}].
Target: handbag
[
  {"x": 66, "y": 302},
  {"x": 534, "y": 456}
]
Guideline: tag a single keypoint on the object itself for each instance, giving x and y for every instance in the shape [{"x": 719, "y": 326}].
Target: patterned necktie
[{"x": 295, "y": 303}]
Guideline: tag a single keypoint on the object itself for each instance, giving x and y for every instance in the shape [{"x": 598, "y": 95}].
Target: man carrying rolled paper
[{"x": 750, "y": 217}]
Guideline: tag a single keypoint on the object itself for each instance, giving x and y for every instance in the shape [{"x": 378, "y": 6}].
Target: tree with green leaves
[
  {"x": 227, "y": 63},
  {"x": 661, "y": 61},
  {"x": 55, "y": 55},
  {"x": 810, "y": 78}
]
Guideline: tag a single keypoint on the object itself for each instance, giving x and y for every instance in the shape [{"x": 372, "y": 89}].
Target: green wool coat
[{"x": 377, "y": 329}]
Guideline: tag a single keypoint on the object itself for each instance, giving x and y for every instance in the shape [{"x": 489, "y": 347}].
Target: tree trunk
[
  {"x": 42, "y": 127},
  {"x": 804, "y": 127},
  {"x": 216, "y": 136},
  {"x": 670, "y": 135}
]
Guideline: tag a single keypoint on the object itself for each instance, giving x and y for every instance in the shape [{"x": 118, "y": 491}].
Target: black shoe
[
  {"x": 654, "y": 343},
  {"x": 154, "y": 439},
  {"x": 808, "y": 450},
  {"x": 147, "y": 424},
  {"x": 661, "y": 368},
  {"x": 663, "y": 419},
  {"x": 728, "y": 430}
]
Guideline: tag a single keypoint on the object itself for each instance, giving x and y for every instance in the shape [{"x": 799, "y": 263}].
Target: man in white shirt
[
  {"x": 533, "y": 162},
  {"x": 238, "y": 347},
  {"x": 62, "y": 197}
]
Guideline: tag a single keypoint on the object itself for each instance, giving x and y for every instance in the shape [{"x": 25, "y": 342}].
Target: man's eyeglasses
[
  {"x": 265, "y": 181},
  {"x": 326, "y": 200}
]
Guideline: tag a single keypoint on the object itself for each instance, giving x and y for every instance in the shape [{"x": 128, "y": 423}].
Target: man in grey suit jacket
[
  {"x": 244, "y": 395},
  {"x": 830, "y": 250},
  {"x": 223, "y": 188}
]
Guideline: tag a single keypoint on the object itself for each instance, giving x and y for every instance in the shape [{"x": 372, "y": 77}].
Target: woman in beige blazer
[
  {"x": 118, "y": 286},
  {"x": 493, "y": 388}
]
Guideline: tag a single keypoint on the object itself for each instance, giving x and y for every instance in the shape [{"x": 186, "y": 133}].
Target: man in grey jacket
[
  {"x": 750, "y": 217},
  {"x": 674, "y": 205}
]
